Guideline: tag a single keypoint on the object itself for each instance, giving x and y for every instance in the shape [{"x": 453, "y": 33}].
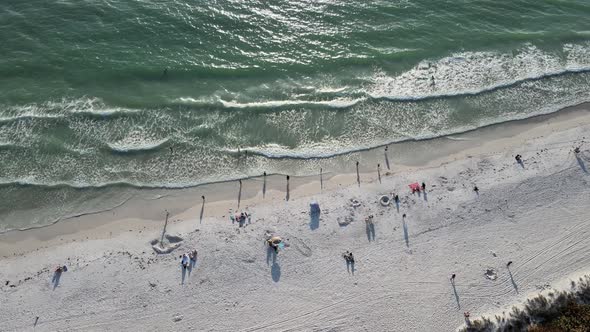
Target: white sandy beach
[{"x": 536, "y": 216}]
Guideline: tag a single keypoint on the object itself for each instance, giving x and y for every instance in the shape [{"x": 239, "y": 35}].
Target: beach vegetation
[{"x": 563, "y": 311}]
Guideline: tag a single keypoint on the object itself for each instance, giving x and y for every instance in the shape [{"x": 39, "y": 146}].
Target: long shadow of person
[
  {"x": 191, "y": 266},
  {"x": 56, "y": 277},
  {"x": 406, "y": 236},
  {"x": 425, "y": 196},
  {"x": 512, "y": 280},
  {"x": 456, "y": 295},
  {"x": 271, "y": 255},
  {"x": 183, "y": 273},
  {"x": 314, "y": 221},
  {"x": 275, "y": 271},
  {"x": 581, "y": 163},
  {"x": 370, "y": 228},
  {"x": 350, "y": 266}
]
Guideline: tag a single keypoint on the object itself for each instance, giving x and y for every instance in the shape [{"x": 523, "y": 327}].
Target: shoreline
[{"x": 435, "y": 152}]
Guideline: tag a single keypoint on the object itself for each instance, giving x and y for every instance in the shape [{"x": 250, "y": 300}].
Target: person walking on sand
[
  {"x": 184, "y": 261},
  {"x": 509, "y": 263},
  {"x": 348, "y": 257},
  {"x": 423, "y": 186},
  {"x": 453, "y": 277}
]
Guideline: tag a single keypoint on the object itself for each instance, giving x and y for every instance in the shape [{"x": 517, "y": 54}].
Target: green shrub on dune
[{"x": 564, "y": 311}]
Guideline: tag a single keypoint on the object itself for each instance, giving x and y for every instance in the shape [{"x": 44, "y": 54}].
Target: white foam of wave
[
  {"x": 328, "y": 89},
  {"x": 193, "y": 101},
  {"x": 336, "y": 103},
  {"x": 4, "y": 144},
  {"x": 92, "y": 106},
  {"x": 137, "y": 140},
  {"x": 29, "y": 115},
  {"x": 475, "y": 72},
  {"x": 60, "y": 109},
  {"x": 143, "y": 146},
  {"x": 333, "y": 147}
]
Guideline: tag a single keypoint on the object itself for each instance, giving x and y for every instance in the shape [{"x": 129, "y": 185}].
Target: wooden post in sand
[
  {"x": 358, "y": 177},
  {"x": 164, "y": 230},
  {"x": 264, "y": 185},
  {"x": 287, "y": 197},
  {"x": 240, "y": 193}
]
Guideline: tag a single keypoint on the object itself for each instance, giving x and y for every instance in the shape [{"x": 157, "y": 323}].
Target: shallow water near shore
[{"x": 101, "y": 99}]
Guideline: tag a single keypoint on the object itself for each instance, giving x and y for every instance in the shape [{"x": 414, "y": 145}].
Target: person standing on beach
[
  {"x": 184, "y": 261},
  {"x": 423, "y": 186},
  {"x": 453, "y": 277}
]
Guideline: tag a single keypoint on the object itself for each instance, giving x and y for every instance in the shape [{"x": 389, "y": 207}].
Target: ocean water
[{"x": 148, "y": 94}]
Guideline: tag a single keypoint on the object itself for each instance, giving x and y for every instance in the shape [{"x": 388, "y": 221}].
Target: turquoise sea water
[{"x": 163, "y": 93}]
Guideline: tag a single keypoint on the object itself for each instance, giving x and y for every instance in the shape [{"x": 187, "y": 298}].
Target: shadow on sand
[
  {"x": 55, "y": 279},
  {"x": 314, "y": 219},
  {"x": 512, "y": 280},
  {"x": 275, "y": 271},
  {"x": 271, "y": 255},
  {"x": 406, "y": 237},
  {"x": 191, "y": 266},
  {"x": 183, "y": 274},
  {"x": 456, "y": 295},
  {"x": 370, "y": 228},
  {"x": 581, "y": 163},
  {"x": 350, "y": 267}
]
